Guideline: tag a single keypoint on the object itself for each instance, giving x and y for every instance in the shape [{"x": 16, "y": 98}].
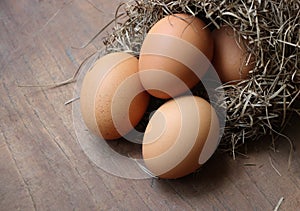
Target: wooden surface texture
[{"x": 43, "y": 167}]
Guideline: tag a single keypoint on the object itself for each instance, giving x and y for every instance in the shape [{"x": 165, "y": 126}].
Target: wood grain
[{"x": 42, "y": 166}]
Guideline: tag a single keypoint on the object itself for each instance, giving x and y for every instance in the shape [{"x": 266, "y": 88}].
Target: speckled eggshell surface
[{"x": 112, "y": 99}]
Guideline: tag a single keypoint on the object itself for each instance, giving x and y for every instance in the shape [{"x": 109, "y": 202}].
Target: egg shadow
[
  {"x": 205, "y": 180},
  {"x": 131, "y": 144},
  {"x": 126, "y": 148},
  {"x": 218, "y": 174}
]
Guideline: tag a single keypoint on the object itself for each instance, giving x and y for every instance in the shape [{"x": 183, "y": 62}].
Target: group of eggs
[{"x": 184, "y": 132}]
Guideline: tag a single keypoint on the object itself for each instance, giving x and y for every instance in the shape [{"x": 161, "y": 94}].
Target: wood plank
[
  {"x": 14, "y": 193},
  {"x": 42, "y": 166}
]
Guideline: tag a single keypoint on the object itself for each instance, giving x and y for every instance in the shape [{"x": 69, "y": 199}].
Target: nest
[{"x": 263, "y": 102}]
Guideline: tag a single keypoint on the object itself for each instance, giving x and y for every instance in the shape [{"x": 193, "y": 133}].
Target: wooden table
[{"x": 42, "y": 166}]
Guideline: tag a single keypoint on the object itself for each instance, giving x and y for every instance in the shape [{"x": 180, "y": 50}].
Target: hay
[{"x": 256, "y": 106}]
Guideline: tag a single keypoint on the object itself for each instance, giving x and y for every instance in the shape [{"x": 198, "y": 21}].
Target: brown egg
[
  {"x": 112, "y": 99},
  {"x": 174, "y": 55},
  {"x": 181, "y": 136},
  {"x": 230, "y": 56}
]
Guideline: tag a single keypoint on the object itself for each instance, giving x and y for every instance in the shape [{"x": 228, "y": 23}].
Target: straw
[{"x": 258, "y": 105}]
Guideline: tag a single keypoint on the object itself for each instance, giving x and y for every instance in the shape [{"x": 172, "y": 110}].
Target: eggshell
[
  {"x": 230, "y": 55},
  {"x": 112, "y": 99},
  {"x": 179, "y": 45},
  {"x": 181, "y": 136}
]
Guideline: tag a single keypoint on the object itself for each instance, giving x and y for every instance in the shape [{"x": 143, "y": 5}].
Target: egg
[
  {"x": 180, "y": 136},
  {"x": 112, "y": 98},
  {"x": 174, "y": 55},
  {"x": 230, "y": 55}
]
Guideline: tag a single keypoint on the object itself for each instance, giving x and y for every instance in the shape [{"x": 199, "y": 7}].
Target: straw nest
[{"x": 256, "y": 106}]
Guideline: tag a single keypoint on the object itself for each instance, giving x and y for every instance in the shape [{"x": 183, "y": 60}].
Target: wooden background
[{"x": 42, "y": 166}]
